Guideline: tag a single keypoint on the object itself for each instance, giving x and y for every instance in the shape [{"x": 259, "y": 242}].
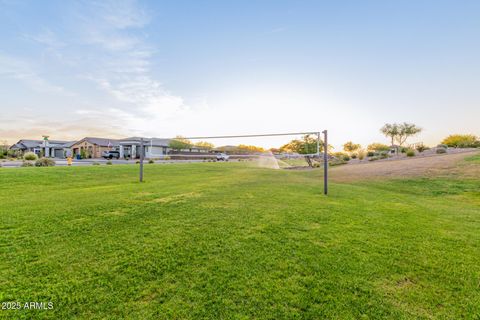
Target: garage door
[{"x": 58, "y": 153}]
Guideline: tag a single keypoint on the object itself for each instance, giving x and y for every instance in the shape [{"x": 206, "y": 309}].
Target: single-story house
[
  {"x": 93, "y": 147},
  {"x": 153, "y": 148},
  {"x": 47, "y": 148}
]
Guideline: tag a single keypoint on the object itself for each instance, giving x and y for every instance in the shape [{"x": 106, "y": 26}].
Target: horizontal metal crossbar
[{"x": 252, "y": 135}]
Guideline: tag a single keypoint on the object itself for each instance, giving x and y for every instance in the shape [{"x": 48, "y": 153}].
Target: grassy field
[{"x": 228, "y": 241}]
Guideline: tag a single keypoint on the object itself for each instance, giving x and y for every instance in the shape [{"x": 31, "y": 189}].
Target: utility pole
[
  {"x": 141, "y": 159},
  {"x": 325, "y": 162}
]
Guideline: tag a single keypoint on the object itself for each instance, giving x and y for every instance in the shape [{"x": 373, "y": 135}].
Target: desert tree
[
  {"x": 351, "y": 147},
  {"x": 204, "y": 144},
  {"x": 405, "y": 131},
  {"x": 400, "y": 132},
  {"x": 179, "y": 143}
]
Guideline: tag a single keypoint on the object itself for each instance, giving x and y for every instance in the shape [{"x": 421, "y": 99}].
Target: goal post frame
[{"x": 317, "y": 133}]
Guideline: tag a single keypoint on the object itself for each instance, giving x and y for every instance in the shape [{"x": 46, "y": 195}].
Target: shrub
[
  {"x": 109, "y": 163},
  {"x": 462, "y": 141},
  {"x": 354, "y": 156},
  {"x": 27, "y": 164},
  {"x": 421, "y": 148},
  {"x": 13, "y": 154},
  {"x": 346, "y": 158},
  {"x": 151, "y": 161},
  {"x": 441, "y": 150},
  {"x": 2, "y": 156},
  {"x": 376, "y": 147},
  {"x": 403, "y": 149},
  {"x": 137, "y": 162},
  {"x": 373, "y": 159},
  {"x": 30, "y": 156},
  {"x": 383, "y": 155},
  {"x": 44, "y": 162},
  {"x": 410, "y": 153},
  {"x": 444, "y": 146},
  {"x": 361, "y": 154},
  {"x": 370, "y": 154},
  {"x": 95, "y": 163},
  {"x": 336, "y": 162}
]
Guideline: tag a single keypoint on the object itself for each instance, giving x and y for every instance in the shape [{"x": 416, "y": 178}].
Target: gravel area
[{"x": 446, "y": 164}]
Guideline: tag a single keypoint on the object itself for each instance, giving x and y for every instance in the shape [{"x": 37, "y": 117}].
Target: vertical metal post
[
  {"x": 141, "y": 159},
  {"x": 325, "y": 162},
  {"x": 318, "y": 145}
]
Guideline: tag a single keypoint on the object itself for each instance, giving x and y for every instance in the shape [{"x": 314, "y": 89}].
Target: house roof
[
  {"x": 29, "y": 143},
  {"x": 158, "y": 142}
]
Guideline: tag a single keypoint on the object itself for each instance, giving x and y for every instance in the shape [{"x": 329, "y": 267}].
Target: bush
[
  {"x": 27, "y": 164},
  {"x": 373, "y": 159},
  {"x": 421, "y": 148},
  {"x": 30, "y": 156},
  {"x": 444, "y": 146},
  {"x": 151, "y": 161},
  {"x": 354, "y": 156},
  {"x": 137, "y": 162},
  {"x": 383, "y": 155},
  {"x": 95, "y": 164},
  {"x": 336, "y": 162},
  {"x": 2, "y": 156},
  {"x": 361, "y": 154},
  {"x": 410, "y": 153},
  {"x": 462, "y": 141},
  {"x": 441, "y": 150},
  {"x": 44, "y": 162},
  {"x": 377, "y": 147},
  {"x": 109, "y": 163},
  {"x": 370, "y": 154},
  {"x": 403, "y": 149},
  {"x": 346, "y": 158}
]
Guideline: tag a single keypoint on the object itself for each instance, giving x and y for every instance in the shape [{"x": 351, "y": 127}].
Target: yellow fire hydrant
[{"x": 69, "y": 161}]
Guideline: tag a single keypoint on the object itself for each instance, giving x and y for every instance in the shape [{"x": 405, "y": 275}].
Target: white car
[{"x": 222, "y": 157}]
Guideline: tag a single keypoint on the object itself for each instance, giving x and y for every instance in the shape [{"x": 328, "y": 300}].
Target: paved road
[{"x": 89, "y": 162}]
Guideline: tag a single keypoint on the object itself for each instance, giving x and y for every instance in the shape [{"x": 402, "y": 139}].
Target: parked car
[
  {"x": 222, "y": 157},
  {"x": 111, "y": 154}
]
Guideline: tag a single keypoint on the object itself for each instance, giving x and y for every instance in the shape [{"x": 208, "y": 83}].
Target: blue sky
[{"x": 156, "y": 68}]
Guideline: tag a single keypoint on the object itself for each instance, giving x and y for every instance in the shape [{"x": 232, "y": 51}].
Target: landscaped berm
[{"x": 231, "y": 241}]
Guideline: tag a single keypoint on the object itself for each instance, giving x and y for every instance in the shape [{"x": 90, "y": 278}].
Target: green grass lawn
[{"x": 228, "y": 241}]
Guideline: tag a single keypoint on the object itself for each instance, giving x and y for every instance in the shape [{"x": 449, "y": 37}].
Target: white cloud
[
  {"x": 15, "y": 68},
  {"x": 121, "y": 66}
]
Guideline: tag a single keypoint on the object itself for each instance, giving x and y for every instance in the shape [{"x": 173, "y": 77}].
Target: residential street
[{"x": 86, "y": 162}]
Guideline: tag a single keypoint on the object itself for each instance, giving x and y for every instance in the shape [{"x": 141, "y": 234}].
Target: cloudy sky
[{"x": 71, "y": 69}]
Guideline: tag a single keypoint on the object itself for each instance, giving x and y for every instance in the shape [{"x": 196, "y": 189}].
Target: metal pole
[
  {"x": 325, "y": 162},
  {"x": 318, "y": 145},
  {"x": 141, "y": 159}
]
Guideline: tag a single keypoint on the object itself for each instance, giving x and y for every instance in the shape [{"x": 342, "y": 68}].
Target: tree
[
  {"x": 307, "y": 145},
  {"x": 250, "y": 149},
  {"x": 400, "y": 132},
  {"x": 407, "y": 130},
  {"x": 351, "y": 147},
  {"x": 204, "y": 144},
  {"x": 462, "y": 141},
  {"x": 179, "y": 143},
  {"x": 390, "y": 131}
]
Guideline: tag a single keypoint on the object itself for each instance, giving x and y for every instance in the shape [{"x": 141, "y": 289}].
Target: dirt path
[{"x": 427, "y": 166}]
